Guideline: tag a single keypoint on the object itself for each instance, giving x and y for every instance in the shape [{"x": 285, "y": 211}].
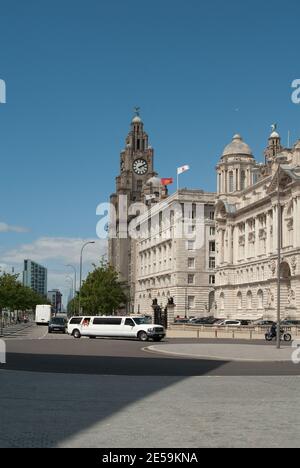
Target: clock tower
[
  {"x": 136, "y": 168},
  {"x": 136, "y": 162}
]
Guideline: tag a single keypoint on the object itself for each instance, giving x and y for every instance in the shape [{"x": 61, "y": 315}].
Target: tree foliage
[
  {"x": 102, "y": 293},
  {"x": 15, "y": 296}
]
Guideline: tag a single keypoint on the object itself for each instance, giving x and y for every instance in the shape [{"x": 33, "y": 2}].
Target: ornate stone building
[
  {"x": 246, "y": 223},
  {"x": 155, "y": 267},
  {"x": 175, "y": 255},
  {"x": 136, "y": 168}
]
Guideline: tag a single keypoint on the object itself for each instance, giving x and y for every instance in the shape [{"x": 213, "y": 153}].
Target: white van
[
  {"x": 43, "y": 314},
  {"x": 115, "y": 327}
]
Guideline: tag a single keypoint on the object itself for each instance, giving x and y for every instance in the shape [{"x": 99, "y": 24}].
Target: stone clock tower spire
[
  {"x": 136, "y": 168},
  {"x": 136, "y": 161}
]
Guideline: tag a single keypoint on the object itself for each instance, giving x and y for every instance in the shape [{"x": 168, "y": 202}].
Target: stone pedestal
[
  {"x": 290, "y": 312},
  {"x": 270, "y": 314}
]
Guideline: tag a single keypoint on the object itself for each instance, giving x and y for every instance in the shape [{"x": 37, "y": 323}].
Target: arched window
[
  {"x": 222, "y": 301},
  {"x": 260, "y": 299},
  {"x": 249, "y": 300},
  {"x": 239, "y": 301}
]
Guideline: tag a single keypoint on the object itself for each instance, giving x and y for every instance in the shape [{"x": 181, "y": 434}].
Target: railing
[{"x": 234, "y": 332}]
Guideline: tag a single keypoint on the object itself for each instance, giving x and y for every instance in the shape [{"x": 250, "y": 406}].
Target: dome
[
  {"x": 237, "y": 146},
  {"x": 274, "y": 135},
  {"x": 137, "y": 119},
  {"x": 154, "y": 181},
  {"x": 297, "y": 145}
]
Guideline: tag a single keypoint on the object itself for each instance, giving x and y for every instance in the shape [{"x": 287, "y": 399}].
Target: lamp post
[
  {"x": 69, "y": 278},
  {"x": 280, "y": 159},
  {"x": 80, "y": 278},
  {"x": 75, "y": 278}
]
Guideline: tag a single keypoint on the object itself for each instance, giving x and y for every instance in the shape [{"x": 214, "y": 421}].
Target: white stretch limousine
[{"x": 116, "y": 327}]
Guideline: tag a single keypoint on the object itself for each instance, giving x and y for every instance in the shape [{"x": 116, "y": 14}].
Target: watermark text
[{"x": 2, "y": 92}]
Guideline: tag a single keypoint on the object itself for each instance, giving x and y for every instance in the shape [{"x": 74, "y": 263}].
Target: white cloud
[
  {"x": 55, "y": 253},
  {"x": 60, "y": 249},
  {"x": 4, "y": 227}
]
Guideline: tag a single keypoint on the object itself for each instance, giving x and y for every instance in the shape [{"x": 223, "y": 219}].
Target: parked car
[
  {"x": 263, "y": 323},
  {"x": 181, "y": 321},
  {"x": 204, "y": 321},
  {"x": 291, "y": 323},
  {"x": 229, "y": 323},
  {"x": 57, "y": 324},
  {"x": 246, "y": 323}
]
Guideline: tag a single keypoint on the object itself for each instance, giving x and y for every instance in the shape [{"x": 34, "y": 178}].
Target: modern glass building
[
  {"x": 35, "y": 277},
  {"x": 55, "y": 297}
]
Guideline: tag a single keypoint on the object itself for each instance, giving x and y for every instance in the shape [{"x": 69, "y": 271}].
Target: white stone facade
[
  {"x": 247, "y": 232},
  {"x": 168, "y": 264}
]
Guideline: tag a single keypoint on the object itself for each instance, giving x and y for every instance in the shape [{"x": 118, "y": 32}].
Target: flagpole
[{"x": 177, "y": 181}]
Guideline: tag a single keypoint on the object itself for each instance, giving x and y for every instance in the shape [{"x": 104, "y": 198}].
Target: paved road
[
  {"x": 61, "y": 392},
  {"x": 56, "y": 353}
]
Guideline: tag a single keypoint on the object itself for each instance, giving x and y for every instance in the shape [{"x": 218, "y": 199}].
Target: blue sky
[{"x": 200, "y": 71}]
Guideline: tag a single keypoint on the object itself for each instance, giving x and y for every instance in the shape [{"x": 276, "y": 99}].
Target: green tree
[
  {"x": 15, "y": 296},
  {"x": 73, "y": 305},
  {"x": 102, "y": 293}
]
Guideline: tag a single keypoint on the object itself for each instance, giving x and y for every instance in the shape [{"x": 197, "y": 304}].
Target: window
[
  {"x": 76, "y": 321},
  {"x": 191, "y": 263},
  {"x": 191, "y": 229},
  {"x": 212, "y": 263},
  {"x": 260, "y": 299},
  {"x": 212, "y": 215},
  {"x": 107, "y": 321},
  {"x": 212, "y": 231},
  {"x": 249, "y": 300},
  {"x": 239, "y": 301},
  {"x": 191, "y": 302},
  {"x": 191, "y": 279},
  {"x": 191, "y": 245},
  {"x": 243, "y": 180},
  {"x": 231, "y": 187},
  {"x": 222, "y": 301},
  {"x": 212, "y": 246},
  {"x": 212, "y": 279},
  {"x": 129, "y": 322}
]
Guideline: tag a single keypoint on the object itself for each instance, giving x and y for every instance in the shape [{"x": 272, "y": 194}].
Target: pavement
[
  {"x": 60, "y": 392},
  {"x": 101, "y": 411},
  {"x": 227, "y": 352}
]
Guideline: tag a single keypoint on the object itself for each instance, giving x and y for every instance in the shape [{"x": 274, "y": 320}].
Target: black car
[
  {"x": 291, "y": 323},
  {"x": 57, "y": 324}
]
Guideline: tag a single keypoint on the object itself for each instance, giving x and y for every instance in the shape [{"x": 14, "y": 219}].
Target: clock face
[{"x": 140, "y": 166}]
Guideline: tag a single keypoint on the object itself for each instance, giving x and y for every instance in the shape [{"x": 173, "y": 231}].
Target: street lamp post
[
  {"x": 69, "y": 278},
  {"x": 75, "y": 278},
  {"x": 80, "y": 278},
  {"x": 280, "y": 159}
]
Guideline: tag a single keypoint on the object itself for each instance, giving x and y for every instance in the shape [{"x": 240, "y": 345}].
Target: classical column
[
  {"x": 275, "y": 229},
  {"x": 296, "y": 217},
  {"x": 247, "y": 250},
  {"x": 229, "y": 255},
  {"x": 235, "y": 182},
  {"x": 268, "y": 239}
]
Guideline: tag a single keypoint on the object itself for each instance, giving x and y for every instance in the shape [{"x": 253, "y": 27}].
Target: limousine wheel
[
  {"x": 76, "y": 334},
  {"x": 142, "y": 336}
]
